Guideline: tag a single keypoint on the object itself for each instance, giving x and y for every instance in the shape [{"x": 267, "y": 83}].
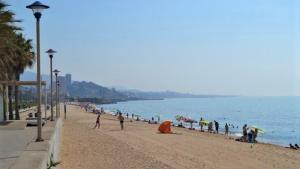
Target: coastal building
[
  {"x": 64, "y": 83},
  {"x": 68, "y": 80}
]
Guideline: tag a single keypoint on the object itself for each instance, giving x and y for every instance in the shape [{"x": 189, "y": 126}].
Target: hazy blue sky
[{"x": 247, "y": 47}]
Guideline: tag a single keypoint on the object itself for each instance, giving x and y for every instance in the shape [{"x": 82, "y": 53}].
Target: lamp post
[
  {"x": 51, "y": 53},
  {"x": 58, "y": 106},
  {"x": 37, "y": 9},
  {"x": 56, "y": 89}
]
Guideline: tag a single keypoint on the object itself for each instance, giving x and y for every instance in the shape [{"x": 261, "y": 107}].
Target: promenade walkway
[
  {"x": 14, "y": 138},
  {"x": 18, "y": 149}
]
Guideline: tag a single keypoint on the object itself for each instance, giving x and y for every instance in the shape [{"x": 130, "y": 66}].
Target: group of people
[
  {"x": 296, "y": 147},
  {"x": 120, "y": 118},
  {"x": 210, "y": 126},
  {"x": 249, "y": 134}
]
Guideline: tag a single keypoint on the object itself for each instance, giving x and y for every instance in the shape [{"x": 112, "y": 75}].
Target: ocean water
[{"x": 278, "y": 116}]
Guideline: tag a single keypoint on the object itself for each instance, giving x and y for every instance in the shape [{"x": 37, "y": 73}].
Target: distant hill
[
  {"x": 162, "y": 95},
  {"x": 91, "y": 90},
  {"x": 31, "y": 76}
]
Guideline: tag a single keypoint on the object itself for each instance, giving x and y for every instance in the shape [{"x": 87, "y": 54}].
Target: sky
[{"x": 235, "y": 47}]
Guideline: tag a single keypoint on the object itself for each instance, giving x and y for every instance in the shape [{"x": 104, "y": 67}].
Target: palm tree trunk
[
  {"x": 10, "y": 105},
  {"x": 17, "y": 114},
  {"x": 4, "y": 102}
]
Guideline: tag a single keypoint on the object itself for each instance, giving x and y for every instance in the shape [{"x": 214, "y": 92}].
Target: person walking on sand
[
  {"x": 97, "y": 122},
  {"x": 121, "y": 119},
  {"x": 127, "y": 115},
  {"x": 226, "y": 129},
  {"x": 65, "y": 110}
]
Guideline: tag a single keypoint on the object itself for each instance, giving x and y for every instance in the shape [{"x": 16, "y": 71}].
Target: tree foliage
[{"x": 16, "y": 52}]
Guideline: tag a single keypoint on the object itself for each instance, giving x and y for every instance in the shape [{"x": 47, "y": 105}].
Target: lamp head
[
  {"x": 50, "y": 52},
  {"x": 56, "y": 71},
  {"x": 37, "y": 8}
]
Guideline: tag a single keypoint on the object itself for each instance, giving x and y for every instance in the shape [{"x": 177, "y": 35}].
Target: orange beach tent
[{"x": 165, "y": 127}]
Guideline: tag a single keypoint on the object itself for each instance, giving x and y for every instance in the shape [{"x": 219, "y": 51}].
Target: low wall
[
  {"x": 37, "y": 154},
  {"x": 55, "y": 142}
]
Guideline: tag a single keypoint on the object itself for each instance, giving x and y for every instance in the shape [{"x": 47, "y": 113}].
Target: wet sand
[{"x": 141, "y": 146}]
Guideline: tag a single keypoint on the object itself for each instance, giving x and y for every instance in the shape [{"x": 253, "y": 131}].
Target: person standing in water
[
  {"x": 226, "y": 129},
  {"x": 97, "y": 121},
  {"x": 245, "y": 133},
  {"x": 254, "y": 135},
  {"x": 201, "y": 124},
  {"x": 217, "y": 127},
  {"x": 121, "y": 119}
]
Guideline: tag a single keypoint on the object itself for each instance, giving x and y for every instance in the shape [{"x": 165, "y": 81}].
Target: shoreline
[
  {"x": 232, "y": 135},
  {"x": 280, "y": 134}
]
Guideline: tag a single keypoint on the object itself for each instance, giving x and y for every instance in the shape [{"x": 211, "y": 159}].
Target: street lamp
[
  {"x": 37, "y": 9},
  {"x": 58, "y": 101},
  {"x": 51, "y": 53},
  {"x": 56, "y": 88}
]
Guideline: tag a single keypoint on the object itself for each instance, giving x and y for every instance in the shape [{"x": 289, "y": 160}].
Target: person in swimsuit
[
  {"x": 121, "y": 119},
  {"x": 97, "y": 122},
  {"x": 226, "y": 129}
]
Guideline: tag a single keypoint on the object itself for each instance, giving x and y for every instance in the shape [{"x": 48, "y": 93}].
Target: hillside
[
  {"x": 162, "y": 95},
  {"x": 31, "y": 76},
  {"x": 91, "y": 90}
]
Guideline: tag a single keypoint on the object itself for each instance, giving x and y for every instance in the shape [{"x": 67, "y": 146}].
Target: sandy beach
[{"x": 141, "y": 146}]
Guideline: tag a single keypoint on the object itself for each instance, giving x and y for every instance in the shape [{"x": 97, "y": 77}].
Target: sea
[{"x": 279, "y": 117}]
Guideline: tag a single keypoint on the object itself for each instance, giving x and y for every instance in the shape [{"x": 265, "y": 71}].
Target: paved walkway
[{"x": 15, "y": 138}]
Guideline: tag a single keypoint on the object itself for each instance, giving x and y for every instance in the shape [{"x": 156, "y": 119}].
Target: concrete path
[
  {"x": 13, "y": 141},
  {"x": 15, "y": 138}
]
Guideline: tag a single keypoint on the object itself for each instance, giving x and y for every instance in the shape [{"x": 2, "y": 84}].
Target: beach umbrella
[
  {"x": 178, "y": 117},
  {"x": 189, "y": 120},
  {"x": 204, "y": 122},
  {"x": 260, "y": 130}
]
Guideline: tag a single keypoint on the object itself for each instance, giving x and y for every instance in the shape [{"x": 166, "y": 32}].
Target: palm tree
[
  {"x": 24, "y": 59},
  {"x": 15, "y": 53},
  {"x": 6, "y": 29}
]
